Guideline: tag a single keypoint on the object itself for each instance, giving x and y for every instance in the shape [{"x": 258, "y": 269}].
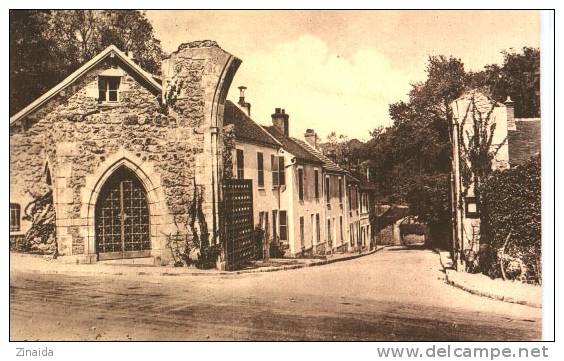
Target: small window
[
  {"x": 300, "y": 184},
  {"x": 240, "y": 164},
  {"x": 471, "y": 207},
  {"x": 15, "y": 216},
  {"x": 108, "y": 89},
  {"x": 341, "y": 226},
  {"x": 260, "y": 169},
  {"x": 316, "y": 183},
  {"x": 329, "y": 230},
  {"x": 283, "y": 226},
  {"x": 278, "y": 172}
]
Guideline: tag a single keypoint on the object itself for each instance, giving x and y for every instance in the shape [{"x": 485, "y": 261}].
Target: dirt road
[{"x": 395, "y": 294}]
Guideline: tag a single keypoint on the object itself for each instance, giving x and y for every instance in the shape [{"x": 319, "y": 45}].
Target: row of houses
[
  {"x": 121, "y": 162},
  {"x": 302, "y": 198}
]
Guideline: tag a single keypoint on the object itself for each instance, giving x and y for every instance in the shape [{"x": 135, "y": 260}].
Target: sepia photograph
[{"x": 278, "y": 175}]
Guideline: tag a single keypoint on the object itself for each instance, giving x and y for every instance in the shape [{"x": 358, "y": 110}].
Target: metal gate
[
  {"x": 122, "y": 218},
  {"x": 238, "y": 221}
]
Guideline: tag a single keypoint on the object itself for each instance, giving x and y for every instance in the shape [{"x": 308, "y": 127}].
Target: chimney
[
  {"x": 311, "y": 137},
  {"x": 510, "y": 108},
  {"x": 280, "y": 121},
  {"x": 242, "y": 103}
]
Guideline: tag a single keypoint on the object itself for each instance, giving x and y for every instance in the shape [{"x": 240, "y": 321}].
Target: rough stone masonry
[{"x": 168, "y": 135}]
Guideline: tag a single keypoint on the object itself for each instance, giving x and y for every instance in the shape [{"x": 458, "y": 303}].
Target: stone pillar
[{"x": 196, "y": 79}]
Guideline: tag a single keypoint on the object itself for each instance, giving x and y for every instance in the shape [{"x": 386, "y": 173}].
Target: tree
[
  {"x": 518, "y": 77},
  {"x": 45, "y": 46},
  {"x": 412, "y": 158}
]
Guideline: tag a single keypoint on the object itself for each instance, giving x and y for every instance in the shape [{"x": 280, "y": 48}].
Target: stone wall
[{"x": 82, "y": 141}]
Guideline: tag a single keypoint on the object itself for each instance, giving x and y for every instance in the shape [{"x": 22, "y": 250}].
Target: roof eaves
[{"x": 77, "y": 74}]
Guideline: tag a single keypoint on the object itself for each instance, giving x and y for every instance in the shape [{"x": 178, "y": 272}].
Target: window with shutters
[
  {"x": 274, "y": 170},
  {"x": 274, "y": 225},
  {"x": 278, "y": 171},
  {"x": 260, "y": 170},
  {"x": 283, "y": 226},
  {"x": 281, "y": 171},
  {"x": 316, "y": 184},
  {"x": 340, "y": 192},
  {"x": 302, "y": 225},
  {"x": 318, "y": 228}
]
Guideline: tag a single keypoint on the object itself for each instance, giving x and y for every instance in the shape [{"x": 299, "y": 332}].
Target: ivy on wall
[{"x": 511, "y": 222}]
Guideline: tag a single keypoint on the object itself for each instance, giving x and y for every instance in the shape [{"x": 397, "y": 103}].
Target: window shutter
[
  {"x": 274, "y": 169},
  {"x": 281, "y": 171}
]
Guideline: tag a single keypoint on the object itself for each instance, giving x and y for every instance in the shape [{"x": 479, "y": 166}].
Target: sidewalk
[
  {"x": 482, "y": 285},
  {"x": 46, "y": 265}
]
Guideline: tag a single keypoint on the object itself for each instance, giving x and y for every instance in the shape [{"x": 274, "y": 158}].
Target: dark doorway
[{"x": 122, "y": 218}]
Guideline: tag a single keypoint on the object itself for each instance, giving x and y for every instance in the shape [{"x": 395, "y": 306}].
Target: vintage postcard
[{"x": 280, "y": 175}]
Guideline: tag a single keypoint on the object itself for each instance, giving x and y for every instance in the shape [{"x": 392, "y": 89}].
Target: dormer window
[{"x": 108, "y": 88}]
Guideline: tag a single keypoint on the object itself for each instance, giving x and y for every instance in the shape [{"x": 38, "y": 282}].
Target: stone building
[
  {"x": 514, "y": 141},
  {"x": 124, "y": 154}
]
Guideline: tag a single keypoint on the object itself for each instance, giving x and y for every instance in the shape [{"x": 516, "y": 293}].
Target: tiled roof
[
  {"x": 245, "y": 128},
  {"x": 328, "y": 164},
  {"x": 524, "y": 142},
  {"x": 364, "y": 183},
  {"x": 291, "y": 146}
]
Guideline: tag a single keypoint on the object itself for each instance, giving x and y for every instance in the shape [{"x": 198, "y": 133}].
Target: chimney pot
[
  {"x": 510, "y": 109},
  {"x": 311, "y": 138},
  {"x": 245, "y": 105},
  {"x": 280, "y": 121}
]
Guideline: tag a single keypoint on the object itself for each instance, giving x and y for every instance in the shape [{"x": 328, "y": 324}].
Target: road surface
[{"x": 394, "y": 294}]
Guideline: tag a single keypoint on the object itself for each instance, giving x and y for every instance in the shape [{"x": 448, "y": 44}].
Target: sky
[{"x": 340, "y": 70}]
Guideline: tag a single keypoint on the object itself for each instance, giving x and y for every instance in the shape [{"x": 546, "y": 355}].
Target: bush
[
  {"x": 510, "y": 202},
  {"x": 259, "y": 242},
  {"x": 208, "y": 257},
  {"x": 276, "y": 250}
]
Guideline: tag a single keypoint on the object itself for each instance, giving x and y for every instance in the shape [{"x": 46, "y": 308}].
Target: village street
[{"x": 394, "y": 294}]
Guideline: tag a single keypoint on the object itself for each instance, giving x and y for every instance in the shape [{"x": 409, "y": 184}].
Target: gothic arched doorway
[{"x": 122, "y": 217}]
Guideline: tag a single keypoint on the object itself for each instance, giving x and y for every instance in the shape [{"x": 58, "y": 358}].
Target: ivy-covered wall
[{"x": 511, "y": 215}]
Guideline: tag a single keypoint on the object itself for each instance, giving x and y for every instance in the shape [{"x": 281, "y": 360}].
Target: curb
[
  {"x": 477, "y": 292},
  {"x": 168, "y": 272}
]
